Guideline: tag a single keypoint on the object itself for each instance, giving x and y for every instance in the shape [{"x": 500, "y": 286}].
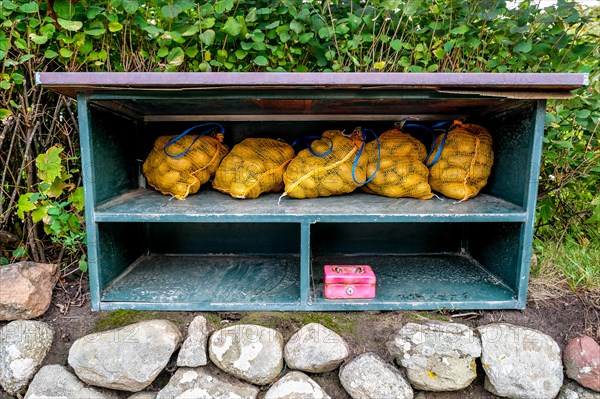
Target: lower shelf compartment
[
  {"x": 201, "y": 282},
  {"x": 418, "y": 282},
  {"x": 272, "y": 282}
]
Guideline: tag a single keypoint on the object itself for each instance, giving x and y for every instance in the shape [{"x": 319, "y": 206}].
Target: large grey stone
[
  {"x": 520, "y": 362},
  {"x": 369, "y": 376},
  {"x": 23, "y": 346},
  {"x": 127, "y": 358},
  {"x": 572, "y": 390},
  {"x": 193, "y": 350},
  {"x": 296, "y": 385},
  {"x": 200, "y": 383},
  {"x": 249, "y": 352},
  {"x": 315, "y": 349},
  {"x": 57, "y": 382},
  {"x": 26, "y": 289},
  {"x": 438, "y": 356}
]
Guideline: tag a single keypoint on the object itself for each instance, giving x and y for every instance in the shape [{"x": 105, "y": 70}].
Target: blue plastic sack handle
[
  {"x": 439, "y": 151},
  {"x": 428, "y": 130},
  {"x": 174, "y": 140},
  {"x": 360, "y": 151},
  {"x": 311, "y": 138}
]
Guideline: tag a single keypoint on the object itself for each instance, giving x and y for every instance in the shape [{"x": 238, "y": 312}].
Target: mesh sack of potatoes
[
  {"x": 402, "y": 172},
  {"x": 179, "y": 165},
  {"x": 253, "y": 167},
  {"x": 463, "y": 161},
  {"x": 332, "y": 165}
]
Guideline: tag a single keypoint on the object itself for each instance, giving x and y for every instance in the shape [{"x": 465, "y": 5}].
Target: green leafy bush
[
  {"x": 57, "y": 203},
  {"x": 243, "y": 35}
]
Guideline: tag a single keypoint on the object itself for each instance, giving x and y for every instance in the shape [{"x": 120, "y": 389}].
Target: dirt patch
[{"x": 562, "y": 318}]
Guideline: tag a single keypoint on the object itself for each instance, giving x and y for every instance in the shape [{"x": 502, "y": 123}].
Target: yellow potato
[
  {"x": 181, "y": 164},
  {"x": 168, "y": 179},
  {"x": 334, "y": 183}
]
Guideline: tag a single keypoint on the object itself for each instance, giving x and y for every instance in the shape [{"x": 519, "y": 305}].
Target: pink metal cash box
[{"x": 349, "y": 282}]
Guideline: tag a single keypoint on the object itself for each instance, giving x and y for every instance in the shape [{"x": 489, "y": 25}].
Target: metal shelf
[
  {"x": 208, "y": 282},
  {"x": 428, "y": 281},
  {"x": 210, "y": 206},
  {"x": 240, "y": 282}
]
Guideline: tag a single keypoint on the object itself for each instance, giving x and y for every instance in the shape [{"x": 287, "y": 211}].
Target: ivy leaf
[
  {"x": 47, "y": 29},
  {"x": 207, "y": 23},
  {"x": 583, "y": 114},
  {"x": 55, "y": 189},
  {"x": 65, "y": 52},
  {"x": 38, "y": 39},
  {"x": 9, "y": 5},
  {"x": 92, "y": 12},
  {"x": 354, "y": 21},
  {"x": 412, "y": 7},
  {"x": 191, "y": 30},
  {"x": 95, "y": 32},
  {"x": 208, "y": 37},
  {"x": 296, "y": 26},
  {"x": 115, "y": 26},
  {"x": 130, "y": 6},
  {"x": 153, "y": 30},
  {"x": 24, "y": 58},
  {"x": 261, "y": 60},
  {"x": 72, "y": 26},
  {"x": 4, "y": 113},
  {"x": 272, "y": 25},
  {"x": 251, "y": 16},
  {"x": 49, "y": 164},
  {"x": 39, "y": 213},
  {"x": 17, "y": 77},
  {"x": 461, "y": 30},
  {"x": 305, "y": 37},
  {"x": 24, "y": 204},
  {"x": 326, "y": 32},
  {"x": 523, "y": 47},
  {"x": 396, "y": 45},
  {"x": 448, "y": 46},
  {"x": 171, "y": 12},
  {"x": 379, "y": 65},
  {"x": 176, "y": 56},
  {"x": 64, "y": 9},
  {"x": 186, "y": 4},
  {"x": 30, "y": 7},
  {"x": 83, "y": 265},
  {"x": 20, "y": 252},
  {"x": 77, "y": 198},
  {"x": 191, "y": 52},
  {"x": 50, "y": 54},
  {"x": 258, "y": 36},
  {"x": 232, "y": 27},
  {"x": 162, "y": 52}
]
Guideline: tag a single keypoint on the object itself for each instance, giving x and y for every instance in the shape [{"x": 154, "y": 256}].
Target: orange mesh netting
[
  {"x": 179, "y": 165},
  {"x": 310, "y": 176},
  {"x": 402, "y": 172},
  {"x": 253, "y": 167},
  {"x": 464, "y": 163}
]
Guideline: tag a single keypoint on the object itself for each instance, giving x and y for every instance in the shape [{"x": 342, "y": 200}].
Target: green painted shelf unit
[{"x": 213, "y": 252}]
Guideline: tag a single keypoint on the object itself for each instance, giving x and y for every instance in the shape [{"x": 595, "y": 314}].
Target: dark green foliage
[{"x": 240, "y": 35}]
